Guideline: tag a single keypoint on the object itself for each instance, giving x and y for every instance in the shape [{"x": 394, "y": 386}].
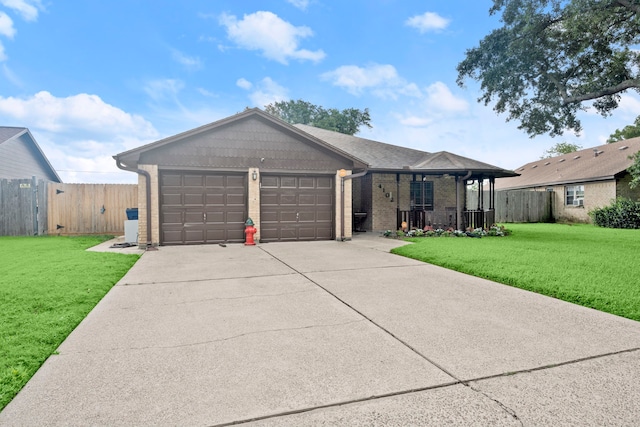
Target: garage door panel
[
  {"x": 235, "y": 199},
  {"x": 214, "y": 199},
  {"x": 202, "y": 207},
  {"x": 215, "y": 217},
  {"x": 287, "y": 199},
  {"x": 307, "y": 200},
  {"x": 235, "y": 182},
  {"x": 171, "y": 180},
  {"x": 172, "y": 199},
  {"x": 324, "y": 182},
  {"x": 173, "y": 218},
  {"x": 324, "y": 200},
  {"x": 288, "y": 234},
  {"x": 324, "y": 216},
  {"x": 307, "y": 233},
  {"x": 288, "y": 182},
  {"x": 193, "y": 180},
  {"x": 307, "y": 217},
  {"x": 296, "y": 208},
  {"x": 306, "y": 182},
  {"x": 193, "y": 217},
  {"x": 288, "y": 216},
  {"x": 194, "y": 235},
  {"x": 191, "y": 199},
  {"x": 238, "y": 217},
  {"x": 214, "y": 181},
  {"x": 268, "y": 199},
  {"x": 269, "y": 181},
  {"x": 268, "y": 233},
  {"x": 172, "y": 236},
  {"x": 324, "y": 233}
]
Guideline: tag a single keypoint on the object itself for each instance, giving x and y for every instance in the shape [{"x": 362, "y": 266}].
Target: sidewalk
[{"x": 331, "y": 333}]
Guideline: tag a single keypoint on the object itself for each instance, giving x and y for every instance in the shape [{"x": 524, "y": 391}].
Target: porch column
[
  {"x": 460, "y": 202},
  {"x": 492, "y": 193}
]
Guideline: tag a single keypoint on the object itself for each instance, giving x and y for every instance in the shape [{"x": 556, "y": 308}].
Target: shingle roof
[
  {"x": 382, "y": 156},
  {"x": 591, "y": 164},
  {"x": 6, "y": 132}
]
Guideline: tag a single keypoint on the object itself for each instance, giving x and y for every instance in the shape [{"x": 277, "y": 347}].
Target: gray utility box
[{"x": 131, "y": 231}]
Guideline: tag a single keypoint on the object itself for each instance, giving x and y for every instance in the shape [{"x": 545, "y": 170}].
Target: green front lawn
[
  {"x": 583, "y": 264},
  {"x": 47, "y": 286}
]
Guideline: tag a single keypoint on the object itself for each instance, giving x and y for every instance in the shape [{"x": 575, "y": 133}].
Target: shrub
[{"x": 622, "y": 213}]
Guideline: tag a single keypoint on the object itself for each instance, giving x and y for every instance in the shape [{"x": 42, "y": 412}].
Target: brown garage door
[
  {"x": 197, "y": 208},
  {"x": 296, "y": 208}
]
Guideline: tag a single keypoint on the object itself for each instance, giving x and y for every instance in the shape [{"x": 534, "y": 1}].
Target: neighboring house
[
  {"x": 579, "y": 181},
  {"x": 295, "y": 183},
  {"x": 21, "y": 157}
]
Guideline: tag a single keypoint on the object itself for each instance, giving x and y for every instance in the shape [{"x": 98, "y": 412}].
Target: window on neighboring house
[
  {"x": 421, "y": 194},
  {"x": 574, "y": 195}
]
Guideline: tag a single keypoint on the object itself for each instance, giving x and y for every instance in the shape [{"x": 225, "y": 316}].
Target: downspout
[
  {"x": 355, "y": 175},
  {"x": 147, "y": 176}
]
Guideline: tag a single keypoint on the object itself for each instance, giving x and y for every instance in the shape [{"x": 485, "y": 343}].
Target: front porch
[{"x": 419, "y": 219}]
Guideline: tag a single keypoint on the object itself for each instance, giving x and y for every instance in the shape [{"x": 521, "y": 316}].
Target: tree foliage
[
  {"x": 550, "y": 57},
  {"x": 561, "y": 148},
  {"x": 634, "y": 170},
  {"x": 347, "y": 121},
  {"x": 629, "y": 131}
]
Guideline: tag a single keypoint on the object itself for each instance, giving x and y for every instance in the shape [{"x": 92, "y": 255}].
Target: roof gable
[
  {"x": 21, "y": 156},
  {"x": 250, "y": 136},
  {"x": 599, "y": 163}
]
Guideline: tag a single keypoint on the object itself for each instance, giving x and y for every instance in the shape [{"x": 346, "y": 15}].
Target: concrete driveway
[{"x": 329, "y": 333}]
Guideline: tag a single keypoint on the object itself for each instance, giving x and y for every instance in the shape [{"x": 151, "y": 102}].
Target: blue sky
[{"x": 93, "y": 78}]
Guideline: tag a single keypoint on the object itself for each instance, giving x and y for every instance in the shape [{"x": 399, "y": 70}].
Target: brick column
[{"x": 253, "y": 202}]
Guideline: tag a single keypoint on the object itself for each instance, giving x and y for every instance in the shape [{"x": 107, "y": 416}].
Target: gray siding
[
  {"x": 247, "y": 143},
  {"x": 19, "y": 158}
]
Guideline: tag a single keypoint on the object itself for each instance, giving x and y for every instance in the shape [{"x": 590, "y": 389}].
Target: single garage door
[
  {"x": 198, "y": 208},
  {"x": 295, "y": 207}
]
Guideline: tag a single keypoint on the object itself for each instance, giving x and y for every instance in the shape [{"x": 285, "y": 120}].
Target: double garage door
[{"x": 199, "y": 208}]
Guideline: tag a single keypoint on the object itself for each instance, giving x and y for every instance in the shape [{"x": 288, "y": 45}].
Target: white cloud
[
  {"x": 440, "y": 98},
  {"x": 383, "y": 80},
  {"x": 265, "y": 31},
  {"x": 6, "y": 26},
  {"x": 207, "y": 93},
  {"x": 163, "y": 88},
  {"x": 9, "y": 74},
  {"x": 82, "y": 112},
  {"x": 266, "y": 91},
  {"x": 244, "y": 84},
  {"x": 28, "y": 9},
  {"x": 79, "y": 133},
  {"x": 189, "y": 62},
  {"x": 413, "y": 121},
  {"x": 630, "y": 104},
  {"x": 300, "y": 4},
  {"x": 428, "y": 21}
]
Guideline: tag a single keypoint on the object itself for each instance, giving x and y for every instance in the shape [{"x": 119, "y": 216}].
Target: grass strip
[
  {"x": 48, "y": 285},
  {"x": 583, "y": 264}
]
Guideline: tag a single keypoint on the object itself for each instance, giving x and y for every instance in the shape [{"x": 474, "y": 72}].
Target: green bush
[{"x": 622, "y": 213}]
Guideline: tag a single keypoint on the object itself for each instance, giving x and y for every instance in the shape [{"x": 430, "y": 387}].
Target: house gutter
[
  {"x": 344, "y": 178},
  {"x": 147, "y": 176}
]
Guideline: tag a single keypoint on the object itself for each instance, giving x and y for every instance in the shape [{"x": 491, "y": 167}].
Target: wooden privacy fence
[
  {"x": 518, "y": 205},
  {"x": 23, "y": 207},
  {"x": 89, "y": 208}
]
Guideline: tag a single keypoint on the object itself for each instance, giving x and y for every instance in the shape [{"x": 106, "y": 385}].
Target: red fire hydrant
[{"x": 249, "y": 231}]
